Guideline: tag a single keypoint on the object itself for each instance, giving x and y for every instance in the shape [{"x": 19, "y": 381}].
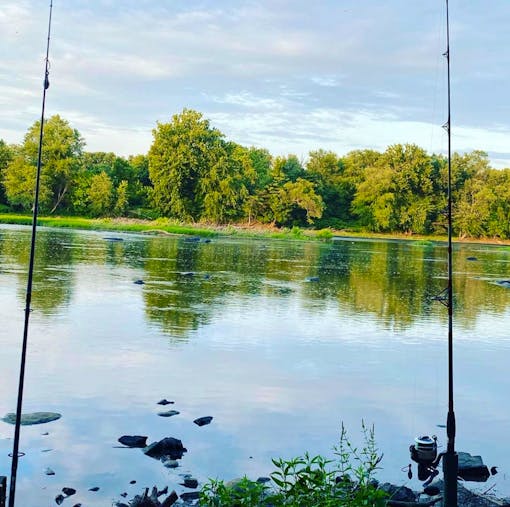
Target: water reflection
[{"x": 279, "y": 341}]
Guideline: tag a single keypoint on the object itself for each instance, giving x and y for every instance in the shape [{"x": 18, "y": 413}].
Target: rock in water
[
  {"x": 68, "y": 491},
  {"x": 202, "y": 421},
  {"x": 164, "y": 401},
  {"x": 59, "y": 499},
  {"x": 49, "y": 471},
  {"x": 171, "y": 447},
  {"x": 169, "y": 413},
  {"x": 32, "y": 418},
  {"x": 133, "y": 440}
]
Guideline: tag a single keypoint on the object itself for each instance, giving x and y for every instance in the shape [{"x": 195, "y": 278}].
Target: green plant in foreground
[{"x": 308, "y": 481}]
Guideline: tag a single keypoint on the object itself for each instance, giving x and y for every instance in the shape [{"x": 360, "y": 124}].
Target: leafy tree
[
  {"x": 336, "y": 190},
  {"x": 223, "y": 188},
  {"x": 61, "y": 151},
  {"x": 287, "y": 169},
  {"x": 122, "y": 200},
  {"x": 182, "y": 151},
  {"x": 6, "y": 156},
  {"x": 100, "y": 194}
]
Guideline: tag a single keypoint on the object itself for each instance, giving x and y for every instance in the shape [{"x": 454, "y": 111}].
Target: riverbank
[{"x": 255, "y": 230}]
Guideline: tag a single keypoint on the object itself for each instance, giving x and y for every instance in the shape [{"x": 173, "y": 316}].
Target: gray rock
[
  {"x": 68, "y": 491},
  {"x": 133, "y": 440},
  {"x": 312, "y": 279},
  {"x": 167, "y": 447},
  {"x": 191, "y": 495},
  {"x": 398, "y": 493},
  {"x": 169, "y": 413},
  {"x": 95, "y": 488},
  {"x": 202, "y": 421},
  {"x": 471, "y": 468},
  {"x": 139, "y": 282},
  {"x": 49, "y": 471},
  {"x": 32, "y": 418},
  {"x": 170, "y": 499},
  {"x": 59, "y": 499},
  {"x": 190, "y": 483}
]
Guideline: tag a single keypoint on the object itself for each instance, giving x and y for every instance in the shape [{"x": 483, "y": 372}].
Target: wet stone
[
  {"x": 32, "y": 418},
  {"x": 202, "y": 421}
]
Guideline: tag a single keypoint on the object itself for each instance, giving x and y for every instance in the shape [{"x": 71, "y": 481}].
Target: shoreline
[{"x": 257, "y": 231}]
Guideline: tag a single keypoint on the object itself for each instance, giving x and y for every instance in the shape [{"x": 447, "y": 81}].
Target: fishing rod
[
  {"x": 450, "y": 458},
  {"x": 15, "y": 450}
]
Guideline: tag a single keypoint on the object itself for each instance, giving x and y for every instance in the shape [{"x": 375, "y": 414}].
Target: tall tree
[
  {"x": 61, "y": 151},
  {"x": 182, "y": 151},
  {"x": 6, "y": 155}
]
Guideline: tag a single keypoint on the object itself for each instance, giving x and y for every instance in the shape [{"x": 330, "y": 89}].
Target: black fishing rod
[
  {"x": 450, "y": 458},
  {"x": 15, "y": 450}
]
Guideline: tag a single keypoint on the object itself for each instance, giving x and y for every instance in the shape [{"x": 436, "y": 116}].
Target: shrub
[{"x": 308, "y": 481}]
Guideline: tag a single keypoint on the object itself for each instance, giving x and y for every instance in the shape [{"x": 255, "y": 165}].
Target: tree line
[{"x": 193, "y": 173}]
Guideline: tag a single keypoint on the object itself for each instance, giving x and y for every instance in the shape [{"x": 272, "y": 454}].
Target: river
[{"x": 279, "y": 341}]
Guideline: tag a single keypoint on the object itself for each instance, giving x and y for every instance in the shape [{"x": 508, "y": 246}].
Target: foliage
[
  {"x": 307, "y": 481},
  {"x": 193, "y": 173},
  {"x": 61, "y": 150}
]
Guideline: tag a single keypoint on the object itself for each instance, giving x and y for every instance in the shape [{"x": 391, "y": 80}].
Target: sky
[{"x": 287, "y": 75}]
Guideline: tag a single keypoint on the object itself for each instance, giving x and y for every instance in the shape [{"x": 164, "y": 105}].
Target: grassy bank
[{"x": 167, "y": 226}]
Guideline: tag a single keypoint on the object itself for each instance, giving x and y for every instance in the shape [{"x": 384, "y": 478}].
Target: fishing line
[{"x": 16, "y": 454}]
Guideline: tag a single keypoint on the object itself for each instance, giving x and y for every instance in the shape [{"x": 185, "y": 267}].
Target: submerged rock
[
  {"x": 139, "y": 282},
  {"x": 190, "y": 482},
  {"x": 133, "y": 440},
  {"x": 49, "y": 471},
  {"x": 166, "y": 448},
  {"x": 169, "y": 413},
  {"x": 32, "y": 418},
  {"x": 202, "y": 421}
]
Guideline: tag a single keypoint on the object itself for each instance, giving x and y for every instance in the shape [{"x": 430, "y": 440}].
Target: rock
[
  {"x": 123, "y": 495},
  {"x": 68, "y": 491},
  {"x": 32, "y": 418},
  {"x": 132, "y": 482},
  {"x": 190, "y": 483},
  {"x": 187, "y": 273},
  {"x": 59, "y": 499},
  {"x": 77, "y": 505},
  {"x": 112, "y": 238},
  {"x": 207, "y": 240},
  {"x": 95, "y": 488},
  {"x": 191, "y": 495},
  {"x": 312, "y": 279},
  {"x": 167, "y": 447},
  {"x": 49, "y": 471},
  {"x": 46, "y": 450},
  {"x": 139, "y": 282},
  {"x": 45, "y": 434},
  {"x": 170, "y": 499},
  {"x": 398, "y": 493},
  {"x": 202, "y": 421},
  {"x": 504, "y": 283},
  {"x": 133, "y": 440},
  {"x": 164, "y": 401},
  {"x": 171, "y": 463},
  {"x": 471, "y": 468},
  {"x": 192, "y": 239},
  {"x": 169, "y": 413},
  {"x": 431, "y": 490},
  {"x": 471, "y": 258}
]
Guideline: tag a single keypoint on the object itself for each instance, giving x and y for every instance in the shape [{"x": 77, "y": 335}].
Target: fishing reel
[{"x": 424, "y": 452}]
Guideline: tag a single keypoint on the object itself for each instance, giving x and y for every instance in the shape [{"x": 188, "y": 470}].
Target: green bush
[{"x": 308, "y": 481}]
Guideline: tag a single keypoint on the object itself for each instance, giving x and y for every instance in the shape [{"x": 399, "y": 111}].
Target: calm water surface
[{"x": 278, "y": 360}]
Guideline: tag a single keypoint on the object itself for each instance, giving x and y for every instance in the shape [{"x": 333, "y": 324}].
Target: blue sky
[{"x": 288, "y": 75}]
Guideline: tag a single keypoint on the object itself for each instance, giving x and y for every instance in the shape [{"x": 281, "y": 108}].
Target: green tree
[
  {"x": 122, "y": 200},
  {"x": 100, "y": 194},
  {"x": 6, "y": 156},
  {"x": 61, "y": 152},
  {"x": 182, "y": 151}
]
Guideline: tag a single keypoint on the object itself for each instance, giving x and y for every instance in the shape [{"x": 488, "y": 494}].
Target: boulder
[
  {"x": 133, "y": 440},
  {"x": 32, "y": 418},
  {"x": 166, "y": 448},
  {"x": 202, "y": 421},
  {"x": 68, "y": 491},
  {"x": 471, "y": 468}
]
